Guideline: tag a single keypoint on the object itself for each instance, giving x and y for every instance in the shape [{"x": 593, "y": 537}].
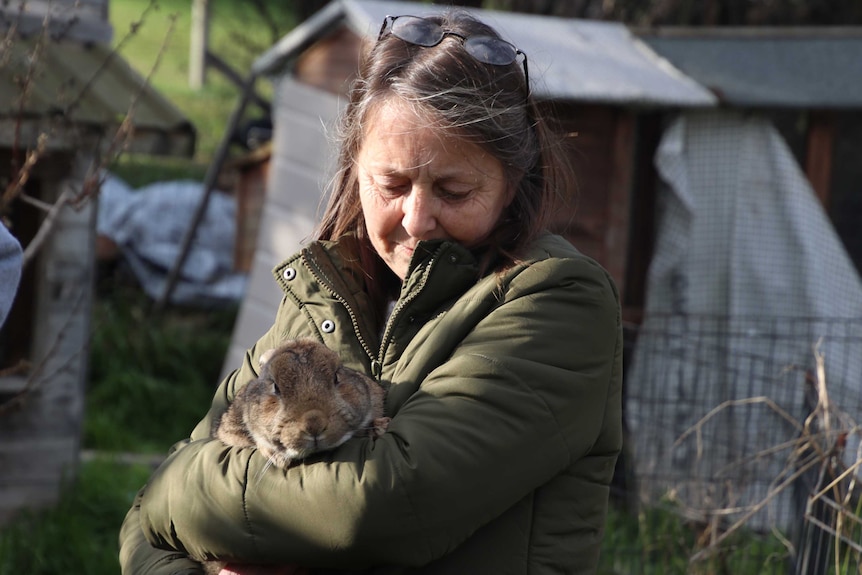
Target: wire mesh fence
[{"x": 742, "y": 448}]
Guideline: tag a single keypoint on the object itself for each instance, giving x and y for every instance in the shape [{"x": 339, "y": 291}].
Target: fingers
[{"x": 251, "y": 569}]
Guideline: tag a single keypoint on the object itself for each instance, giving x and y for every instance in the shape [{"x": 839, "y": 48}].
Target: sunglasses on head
[{"x": 423, "y": 32}]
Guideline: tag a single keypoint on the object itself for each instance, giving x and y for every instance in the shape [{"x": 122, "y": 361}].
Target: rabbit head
[{"x": 305, "y": 401}]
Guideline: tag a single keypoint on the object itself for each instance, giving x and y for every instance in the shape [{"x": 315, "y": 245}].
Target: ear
[
  {"x": 349, "y": 377},
  {"x": 265, "y": 357}
]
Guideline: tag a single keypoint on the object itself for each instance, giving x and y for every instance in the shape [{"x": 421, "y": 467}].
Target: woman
[{"x": 499, "y": 345}]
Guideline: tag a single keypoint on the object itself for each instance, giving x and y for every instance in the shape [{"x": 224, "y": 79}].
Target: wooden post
[
  {"x": 818, "y": 156},
  {"x": 199, "y": 43},
  {"x": 616, "y": 240},
  {"x": 209, "y": 184}
]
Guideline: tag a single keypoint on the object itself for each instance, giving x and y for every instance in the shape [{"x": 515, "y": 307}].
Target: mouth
[{"x": 407, "y": 249}]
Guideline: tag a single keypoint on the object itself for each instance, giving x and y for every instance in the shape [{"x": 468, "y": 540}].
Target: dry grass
[{"x": 823, "y": 445}]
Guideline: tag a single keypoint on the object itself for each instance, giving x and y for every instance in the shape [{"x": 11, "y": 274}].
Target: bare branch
[
  {"x": 132, "y": 32},
  {"x": 46, "y": 226},
  {"x": 821, "y": 441},
  {"x": 36, "y": 378},
  {"x": 20, "y": 179}
]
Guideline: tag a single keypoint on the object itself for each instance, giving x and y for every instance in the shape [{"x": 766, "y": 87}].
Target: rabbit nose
[{"x": 314, "y": 423}]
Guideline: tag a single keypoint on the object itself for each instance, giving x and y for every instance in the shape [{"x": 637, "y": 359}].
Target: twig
[
  {"x": 126, "y": 129},
  {"x": 93, "y": 176},
  {"x": 46, "y": 226},
  {"x": 838, "y": 479},
  {"x": 822, "y": 443},
  {"x": 133, "y": 30},
  {"x": 16, "y": 185},
  {"x": 36, "y": 378},
  {"x": 752, "y": 511},
  {"x": 697, "y": 427},
  {"x": 35, "y": 202}
]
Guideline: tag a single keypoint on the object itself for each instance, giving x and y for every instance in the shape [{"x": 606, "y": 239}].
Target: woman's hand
[{"x": 251, "y": 569}]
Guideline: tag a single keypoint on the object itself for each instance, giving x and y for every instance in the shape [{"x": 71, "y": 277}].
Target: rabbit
[{"x": 304, "y": 401}]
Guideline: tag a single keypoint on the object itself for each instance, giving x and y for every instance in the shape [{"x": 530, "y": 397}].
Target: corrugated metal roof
[
  {"x": 80, "y": 20},
  {"x": 789, "y": 67},
  {"x": 88, "y": 84},
  {"x": 578, "y": 60}
]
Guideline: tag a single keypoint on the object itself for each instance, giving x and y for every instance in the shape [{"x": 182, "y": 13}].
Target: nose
[
  {"x": 420, "y": 213},
  {"x": 314, "y": 423}
]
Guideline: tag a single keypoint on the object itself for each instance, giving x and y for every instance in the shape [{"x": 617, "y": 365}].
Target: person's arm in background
[{"x": 11, "y": 261}]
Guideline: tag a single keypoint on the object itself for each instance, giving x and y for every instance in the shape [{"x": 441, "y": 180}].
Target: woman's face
[{"x": 418, "y": 183}]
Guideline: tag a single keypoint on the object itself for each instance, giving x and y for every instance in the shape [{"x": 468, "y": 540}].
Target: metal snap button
[
  {"x": 288, "y": 274},
  {"x": 328, "y": 326}
]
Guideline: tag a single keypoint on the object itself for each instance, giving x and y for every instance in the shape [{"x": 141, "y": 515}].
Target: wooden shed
[
  {"x": 614, "y": 88},
  {"x": 806, "y": 81},
  {"x": 76, "y": 95},
  {"x": 603, "y": 82},
  {"x": 621, "y": 92}
]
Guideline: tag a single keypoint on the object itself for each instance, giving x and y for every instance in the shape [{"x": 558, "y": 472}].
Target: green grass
[
  {"x": 657, "y": 541},
  {"x": 144, "y": 30},
  {"x": 79, "y": 534},
  {"x": 138, "y": 171},
  {"x": 151, "y": 376}
]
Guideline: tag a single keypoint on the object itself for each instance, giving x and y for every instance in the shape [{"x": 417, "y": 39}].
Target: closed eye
[
  {"x": 453, "y": 197},
  {"x": 392, "y": 187},
  {"x": 393, "y": 192},
  {"x": 453, "y": 189}
]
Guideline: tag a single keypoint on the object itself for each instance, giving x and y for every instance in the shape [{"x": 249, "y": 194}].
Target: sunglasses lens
[
  {"x": 490, "y": 50},
  {"x": 417, "y": 31},
  {"x": 421, "y": 32}
]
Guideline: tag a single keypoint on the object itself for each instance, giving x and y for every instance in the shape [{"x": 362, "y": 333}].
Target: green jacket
[{"x": 505, "y": 398}]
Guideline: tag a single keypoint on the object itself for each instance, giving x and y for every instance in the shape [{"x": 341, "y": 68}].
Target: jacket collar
[{"x": 440, "y": 270}]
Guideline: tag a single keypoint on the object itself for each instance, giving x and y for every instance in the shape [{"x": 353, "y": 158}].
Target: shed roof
[
  {"x": 88, "y": 84},
  {"x": 578, "y": 60},
  {"x": 773, "y": 67},
  {"x": 81, "y": 20}
]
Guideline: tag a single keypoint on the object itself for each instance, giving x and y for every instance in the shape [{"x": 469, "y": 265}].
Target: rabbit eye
[{"x": 274, "y": 388}]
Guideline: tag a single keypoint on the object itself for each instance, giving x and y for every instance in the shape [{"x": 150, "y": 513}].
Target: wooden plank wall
[
  {"x": 40, "y": 437},
  {"x": 331, "y": 63},
  {"x": 299, "y": 170},
  {"x": 596, "y": 220}
]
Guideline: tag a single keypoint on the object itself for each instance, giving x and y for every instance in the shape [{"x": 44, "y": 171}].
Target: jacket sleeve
[
  {"x": 521, "y": 396},
  {"x": 137, "y": 555}
]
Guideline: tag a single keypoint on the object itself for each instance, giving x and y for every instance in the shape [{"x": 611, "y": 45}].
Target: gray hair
[{"x": 486, "y": 104}]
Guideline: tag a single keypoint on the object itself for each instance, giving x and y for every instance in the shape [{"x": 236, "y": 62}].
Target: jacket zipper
[
  {"x": 387, "y": 333},
  {"x": 376, "y": 366}
]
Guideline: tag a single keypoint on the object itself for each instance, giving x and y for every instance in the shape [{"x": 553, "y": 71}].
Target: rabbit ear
[
  {"x": 346, "y": 376},
  {"x": 266, "y": 356},
  {"x": 351, "y": 378}
]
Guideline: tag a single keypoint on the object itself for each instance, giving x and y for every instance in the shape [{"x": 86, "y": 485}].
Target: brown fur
[{"x": 304, "y": 401}]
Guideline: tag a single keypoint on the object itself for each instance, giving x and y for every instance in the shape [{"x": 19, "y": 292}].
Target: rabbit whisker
[{"x": 269, "y": 463}]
